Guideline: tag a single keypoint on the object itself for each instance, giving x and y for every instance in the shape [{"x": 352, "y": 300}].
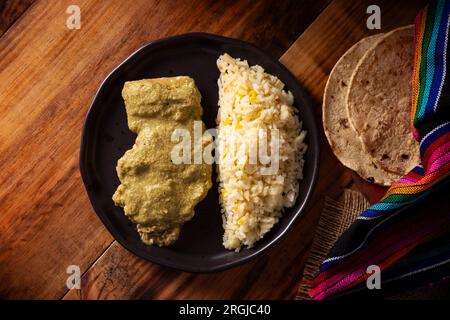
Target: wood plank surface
[
  {"x": 11, "y": 11},
  {"x": 49, "y": 76},
  {"x": 119, "y": 274}
]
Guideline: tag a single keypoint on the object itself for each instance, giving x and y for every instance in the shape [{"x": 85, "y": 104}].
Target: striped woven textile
[{"x": 383, "y": 234}]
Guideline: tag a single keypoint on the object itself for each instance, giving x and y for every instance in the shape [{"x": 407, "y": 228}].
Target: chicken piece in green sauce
[{"x": 155, "y": 193}]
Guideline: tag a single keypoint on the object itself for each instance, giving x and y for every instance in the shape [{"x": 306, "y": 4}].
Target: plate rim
[{"x": 313, "y": 136}]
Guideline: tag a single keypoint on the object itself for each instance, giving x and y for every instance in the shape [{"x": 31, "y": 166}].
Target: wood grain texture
[
  {"x": 49, "y": 76},
  {"x": 119, "y": 274},
  {"x": 11, "y": 11}
]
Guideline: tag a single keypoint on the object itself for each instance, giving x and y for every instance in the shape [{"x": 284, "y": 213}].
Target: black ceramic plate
[{"x": 106, "y": 137}]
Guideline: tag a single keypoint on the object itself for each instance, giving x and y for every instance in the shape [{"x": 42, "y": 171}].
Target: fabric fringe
[{"x": 336, "y": 217}]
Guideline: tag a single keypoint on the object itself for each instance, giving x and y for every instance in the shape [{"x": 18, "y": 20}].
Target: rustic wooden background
[{"x": 49, "y": 75}]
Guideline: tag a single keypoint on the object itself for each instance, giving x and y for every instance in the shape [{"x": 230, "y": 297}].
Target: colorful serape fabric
[{"x": 384, "y": 233}]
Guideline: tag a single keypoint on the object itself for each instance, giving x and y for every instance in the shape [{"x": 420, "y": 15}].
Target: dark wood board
[{"x": 50, "y": 74}]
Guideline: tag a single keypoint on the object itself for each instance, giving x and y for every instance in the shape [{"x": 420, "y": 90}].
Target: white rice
[{"x": 249, "y": 100}]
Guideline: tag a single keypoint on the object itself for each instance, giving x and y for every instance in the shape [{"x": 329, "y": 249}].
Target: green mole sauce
[{"x": 156, "y": 194}]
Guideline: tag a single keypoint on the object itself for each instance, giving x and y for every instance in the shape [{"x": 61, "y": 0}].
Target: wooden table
[{"x": 49, "y": 75}]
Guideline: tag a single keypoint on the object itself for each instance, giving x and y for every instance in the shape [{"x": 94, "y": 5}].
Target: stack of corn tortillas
[{"x": 366, "y": 107}]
